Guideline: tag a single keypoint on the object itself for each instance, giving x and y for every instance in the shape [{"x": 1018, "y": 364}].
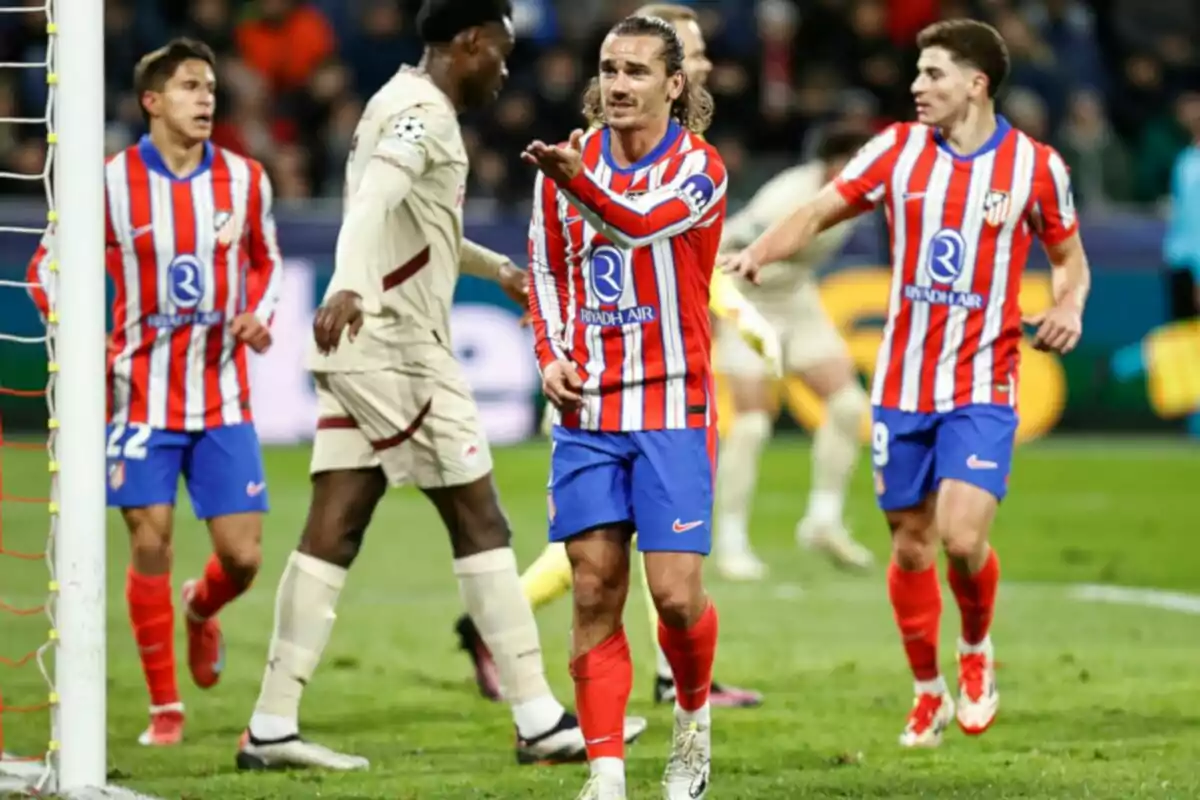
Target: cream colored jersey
[
  {"x": 401, "y": 240},
  {"x": 777, "y": 198}
]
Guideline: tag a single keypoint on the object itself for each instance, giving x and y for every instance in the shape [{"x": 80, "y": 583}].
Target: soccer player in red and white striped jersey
[
  {"x": 191, "y": 251},
  {"x": 965, "y": 195},
  {"x": 626, "y": 226}
]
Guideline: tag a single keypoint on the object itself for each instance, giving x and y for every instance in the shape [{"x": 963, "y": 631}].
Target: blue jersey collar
[
  {"x": 154, "y": 160},
  {"x": 660, "y": 149},
  {"x": 1002, "y": 129}
]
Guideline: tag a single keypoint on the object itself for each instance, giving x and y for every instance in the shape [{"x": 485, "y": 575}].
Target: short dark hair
[
  {"x": 155, "y": 68},
  {"x": 439, "y": 21},
  {"x": 972, "y": 42},
  {"x": 841, "y": 143}
]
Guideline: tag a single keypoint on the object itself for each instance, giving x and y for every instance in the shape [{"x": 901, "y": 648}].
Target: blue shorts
[
  {"x": 222, "y": 466},
  {"x": 659, "y": 481},
  {"x": 913, "y": 453}
]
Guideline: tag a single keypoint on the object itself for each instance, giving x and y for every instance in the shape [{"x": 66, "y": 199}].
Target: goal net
[{"x": 52, "y": 515}]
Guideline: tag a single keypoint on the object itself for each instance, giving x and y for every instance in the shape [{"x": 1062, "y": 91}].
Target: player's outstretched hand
[
  {"x": 559, "y": 163},
  {"x": 741, "y": 263},
  {"x": 341, "y": 311},
  {"x": 1058, "y": 330},
  {"x": 515, "y": 283},
  {"x": 250, "y": 329},
  {"x": 562, "y": 385}
]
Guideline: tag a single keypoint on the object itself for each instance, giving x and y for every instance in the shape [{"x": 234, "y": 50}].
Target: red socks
[
  {"x": 214, "y": 590},
  {"x": 976, "y": 596},
  {"x": 603, "y": 679},
  {"x": 153, "y": 618},
  {"x": 917, "y": 602},
  {"x": 691, "y": 653}
]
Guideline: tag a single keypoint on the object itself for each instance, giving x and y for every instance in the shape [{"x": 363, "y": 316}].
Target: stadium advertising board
[{"x": 1133, "y": 372}]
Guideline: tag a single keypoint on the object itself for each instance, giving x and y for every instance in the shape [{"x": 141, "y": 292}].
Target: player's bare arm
[
  {"x": 1059, "y": 328},
  {"x": 790, "y": 234},
  {"x": 481, "y": 262}
]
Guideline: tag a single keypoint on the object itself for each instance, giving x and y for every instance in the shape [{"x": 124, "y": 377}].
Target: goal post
[{"x": 79, "y": 731}]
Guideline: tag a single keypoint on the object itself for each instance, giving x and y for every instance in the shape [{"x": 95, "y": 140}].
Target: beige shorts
[
  {"x": 419, "y": 423},
  {"x": 808, "y": 336}
]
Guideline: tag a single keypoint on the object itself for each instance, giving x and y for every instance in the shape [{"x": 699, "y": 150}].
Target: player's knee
[
  {"x": 242, "y": 562},
  {"x": 338, "y": 517},
  {"x": 676, "y": 587},
  {"x": 914, "y": 541},
  {"x": 847, "y": 407},
  {"x": 484, "y": 528},
  {"x": 600, "y": 588},
  {"x": 964, "y": 515},
  {"x": 237, "y": 540},
  {"x": 964, "y": 542},
  {"x": 149, "y": 539}
]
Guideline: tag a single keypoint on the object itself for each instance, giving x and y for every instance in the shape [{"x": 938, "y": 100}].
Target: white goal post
[{"x": 79, "y": 750}]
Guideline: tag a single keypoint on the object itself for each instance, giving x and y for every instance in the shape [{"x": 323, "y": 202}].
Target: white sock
[
  {"x": 612, "y": 769},
  {"x": 737, "y": 475},
  {"x": 304, "y": 617},
  {"x": 491, "y": 592},
  {"x": 702, "y": 716},
  {"x": 825, "y": 505},
  {"x": 935, "y": 686},
  {"x": 661, "y": 663},
  {"x": 984, "y": 647},
  {"x": 536, "y": 716},
  {"x": 835, "y": 451}
]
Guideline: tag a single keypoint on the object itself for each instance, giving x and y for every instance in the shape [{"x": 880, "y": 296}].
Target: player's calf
[
  {"x": 600, "y": 661},
  {"x": 964, "y": 517},
  {"x": 152, "y": 616},
  {"x": 305, "y": 605}
]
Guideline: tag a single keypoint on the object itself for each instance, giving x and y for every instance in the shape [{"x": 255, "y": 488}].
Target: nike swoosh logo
[
  {"x": 683, "y": 527},
  {"x": 975, "y": 462}
]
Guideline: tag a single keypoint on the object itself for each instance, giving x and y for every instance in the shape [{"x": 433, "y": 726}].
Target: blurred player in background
[
  {"x": 813, "y": 350},
  {"x": 190, "y": 247},
  {"x": 965, "y": 193},
  {"x": 626, "y": 225},
  {"x": 394, "y": 407},
  {"x": 549, "y": 577}
]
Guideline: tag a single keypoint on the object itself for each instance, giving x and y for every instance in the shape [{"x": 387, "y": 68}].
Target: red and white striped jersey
[
  {"x": 960, "y": 230},
  {"x": 620, "y": 265},
  {"x": 185, "y": 255}
]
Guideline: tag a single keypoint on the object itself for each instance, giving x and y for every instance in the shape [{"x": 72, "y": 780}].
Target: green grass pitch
[{"x": 1098, "y": 700}]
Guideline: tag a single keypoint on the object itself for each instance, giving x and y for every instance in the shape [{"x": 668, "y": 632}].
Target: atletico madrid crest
[
  {"x": 996, "y": 205},
  {"x": 116, "y": 475}
]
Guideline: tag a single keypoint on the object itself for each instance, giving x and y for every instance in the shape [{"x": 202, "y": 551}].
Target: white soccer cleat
[
  {"x": 978, "y": 699},
  {"x": 740, "y": 565},
  {"x": 603, "y": 787},
  {"x": 835, "y": 541},
  {"x": 292, "y": 751},
  {"x": 931, "y": 714},
  {"x": 687, "y": 773}
]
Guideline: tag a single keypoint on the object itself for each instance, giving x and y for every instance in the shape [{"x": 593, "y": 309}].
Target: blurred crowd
[{"x": 1114, "y": 84}]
